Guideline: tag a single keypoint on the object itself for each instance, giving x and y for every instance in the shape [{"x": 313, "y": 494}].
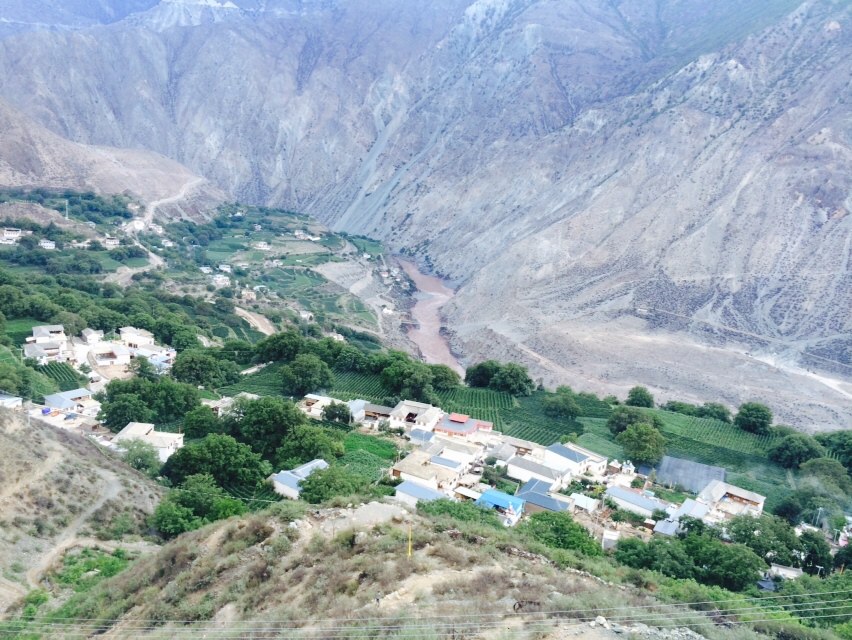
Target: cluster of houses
[
  {"x": 451, "y": 450},
  {"x": 50, "y": 343},
  {"x": 12, "y": 235}
]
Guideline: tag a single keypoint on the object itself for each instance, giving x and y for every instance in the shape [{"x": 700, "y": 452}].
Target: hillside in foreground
[
  {"x": 59, "y": 491},
  {"x": 344, "y": 572}
]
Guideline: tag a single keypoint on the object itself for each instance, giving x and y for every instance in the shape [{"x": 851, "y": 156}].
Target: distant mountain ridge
[{"x": 625, "y": 190}]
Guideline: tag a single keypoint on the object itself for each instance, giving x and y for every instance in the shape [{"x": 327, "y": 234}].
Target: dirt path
[
  {"x": 258, "y": 321},
  {"x": 124, "y": 275},
  {"x": 69, "y": 538}
]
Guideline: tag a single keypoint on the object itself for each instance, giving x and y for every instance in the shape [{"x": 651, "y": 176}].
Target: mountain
[
  {"x": 624, "y": 191},
  {"x": 34, "y": 156}
]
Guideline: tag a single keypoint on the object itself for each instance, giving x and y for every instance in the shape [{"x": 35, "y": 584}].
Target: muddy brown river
[{"x": 432, "y": 294}]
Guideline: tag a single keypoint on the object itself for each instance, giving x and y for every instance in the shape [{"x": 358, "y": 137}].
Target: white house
[
  {"x": 219, "y": 281},
  {"x": 409, "y": 414},
  {"x": 135, "y": 338},
  {"x": 74, "y": 401},
  {"x": 411, "y": 493},
  {"x": 46, "y": 244},
  {"x": 262, "y": 246},
  {"x": 524, "y": 469},
  {"x": 206, "y": 270},
  {"x": 574, "y": 460},
  {"x": 11, "y": 402},
  {"x": 48, "y": 343},
  {"x": 313, "y": 404},
  {"x": 111, "y": 354},
  {"x": 165, "y": 443},
  {"x": 727, "y": 501},
  {"x": 636, "y": 502},
  {"x": 224, "y": 268},
  {"x": 585, "y": 503},
  {"x": 92, "y": 336},
  {"x": 286, "y": 483},
  {"x": 111, "y": 243}
]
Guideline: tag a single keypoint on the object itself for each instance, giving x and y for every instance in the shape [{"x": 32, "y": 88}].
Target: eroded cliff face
[{"x": 659, "y": 187}]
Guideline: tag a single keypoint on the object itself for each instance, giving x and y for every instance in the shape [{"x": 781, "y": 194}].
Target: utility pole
[{"x": 66, "y": 208}]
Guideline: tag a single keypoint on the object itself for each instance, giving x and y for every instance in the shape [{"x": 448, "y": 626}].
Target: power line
[
  {"x": 407, "y": 631},
  {"x": 771, "y": 601}
]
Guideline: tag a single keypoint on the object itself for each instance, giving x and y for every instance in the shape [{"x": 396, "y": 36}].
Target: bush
[
  {"x": 558, "y": 530},
  {"x": 795, "y": 449},
  {"x": 640, "y": 397},
  {"x": 754, "y": 418}
]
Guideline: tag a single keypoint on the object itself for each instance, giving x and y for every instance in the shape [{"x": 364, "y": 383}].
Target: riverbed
[{"x": 432, "y": 294}]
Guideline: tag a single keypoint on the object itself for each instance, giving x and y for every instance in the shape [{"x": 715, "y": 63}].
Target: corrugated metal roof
[
  {"x": 418, "y": 491},
  {"x": 637, "y": 499},
  {"x": 568, "y": 454},
  {"x": 493, "y": 498}
]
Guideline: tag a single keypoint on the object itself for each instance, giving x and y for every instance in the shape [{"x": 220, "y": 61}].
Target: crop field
[
  {"x": 592, "y": 407},
  {"x": 20, "y": 329},
  {"x": 63, "y": 374},
  {"x": 715, "y": 433},
  {"x": 367, "y": 386},
  {"x": 532, "y": 432},
  {"x": 468, "y": 400},
  {"x": 266, "y": 382},
  {"x": 378, "y": 446},
  {"x": 365, "y": 464}
]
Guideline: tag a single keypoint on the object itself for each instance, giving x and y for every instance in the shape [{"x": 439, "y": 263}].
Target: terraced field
[
  {"x": 266, "y": 382},
  {"x": 367, "y": 386},
  {"x": 64, "y": 376}
]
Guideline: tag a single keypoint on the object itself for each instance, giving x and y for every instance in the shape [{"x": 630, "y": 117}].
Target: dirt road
[{"x": 258, "y": 321}]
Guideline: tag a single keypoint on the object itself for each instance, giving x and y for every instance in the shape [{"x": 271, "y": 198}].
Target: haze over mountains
[{"x": 610, "y": 183}]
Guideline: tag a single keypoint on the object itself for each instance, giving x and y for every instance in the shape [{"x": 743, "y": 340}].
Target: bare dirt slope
[
  {"x": 33, "y": 156},
  {"x": 58, "y": 491}
]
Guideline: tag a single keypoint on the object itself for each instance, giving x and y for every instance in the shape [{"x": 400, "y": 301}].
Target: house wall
[
  {"x": 404, "y": 498},
  {"x": 285, "y": 491}
]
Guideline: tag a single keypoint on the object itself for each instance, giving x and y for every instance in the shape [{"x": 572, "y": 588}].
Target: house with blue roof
[
  {"x": 572, "y": 460},
  {"x": 510, "y": 508},
  {"x": 287, "y": 483},
  {"x": 411, "y": 493},
  {"x": 525, "y": 468},
  {"x": 636, "y": 502},
  {"x": 538, "y": 497}
]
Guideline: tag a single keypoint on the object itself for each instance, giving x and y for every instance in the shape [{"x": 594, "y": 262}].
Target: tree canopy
[
  {"x": 264, "y": 423},
  {"x": 640, "y": 397},
  {"x": 642, "y": 443},
  {"x": 229, "y": 462},
  {"x": 793, "y": 450},
  {"x": 754, "y": 417},
  {"x": 305, "y": 374}
]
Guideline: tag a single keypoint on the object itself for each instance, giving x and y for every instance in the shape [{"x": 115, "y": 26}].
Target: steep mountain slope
[
  {"x": 34, "y": 156},
  {"x": 58, "y": 491},
  {"x": 584, "y": 170}
]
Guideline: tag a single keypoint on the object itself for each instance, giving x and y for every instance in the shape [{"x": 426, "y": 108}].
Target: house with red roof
[{"x": 459, "y": 424}]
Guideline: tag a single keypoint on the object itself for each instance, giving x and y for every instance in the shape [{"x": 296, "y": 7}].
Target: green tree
[
  {"x": 200, "y": 368},
  {"x": 640, "y": 397},
  {"x": 350, "y": 359},
  {"x": 843, "y": 558},
  {"x": 514, "y": 379},
  {"x": 171, "y": 519},
  {"x": 10, "y": 378},
  {"x": 201, "y": 421},
  {"x": 328, "y": 483},
  {"x": 281, "y": 347},
  {"x": 829, "y": 473},
  {"x": 754, "y": 417},
  {"x": 840, "y": 444},
  {"x": 480, "y": 375},
  {"x": 733, "y": 567},
  {"x": 305, "y": 443},
  {"x": 795, "y": 449},
  {"x": 558, "y": 530},
  {"x": 196, "y": 502},
  {"x": 714, "y": 410},
  {"x": 185, "y": 338},
  {"x": 337, "y": 412},
  {"x": 561, "y": 405},
  {"x": 444, "y": 378},
  {"x": 306, "y": 373},
  {"x": 642, "y": 443},
  {"x": 142, "y": 368},
  {"x": 238, "y": 351},
  {"x": 264, "y": 423},
  {"x": 125, "y": 409},
  {"x": 143, "y": 457},
  {"x": 623, "y": 417},
  {"x": 817, "y": 558},
  {"x": 770, "y": 537},
  {"x": 228, "y": 461}
]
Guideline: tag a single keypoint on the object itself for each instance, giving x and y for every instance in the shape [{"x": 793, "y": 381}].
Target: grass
[
  {"x": 266, "y": 382},
  {"x": 377, "y": 446},
  {"x": 350, "y": 385},
  {"x": 20, "y": 329},
  {"x": 84, "y": 569}
]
